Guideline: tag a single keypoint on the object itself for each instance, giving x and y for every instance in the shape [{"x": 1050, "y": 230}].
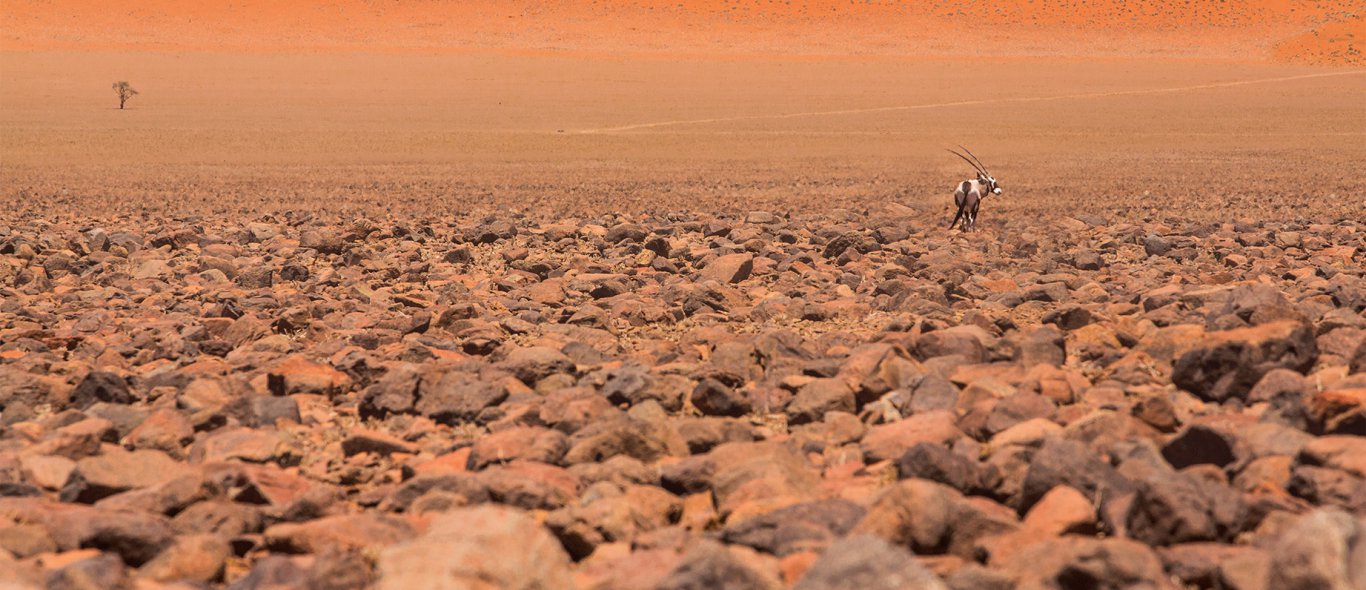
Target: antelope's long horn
[
  {"x": 965, "y": 159},
  {"x": 980, "y": 165}
]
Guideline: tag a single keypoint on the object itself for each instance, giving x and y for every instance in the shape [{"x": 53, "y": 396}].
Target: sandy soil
[{"x": 245, "y": 132}]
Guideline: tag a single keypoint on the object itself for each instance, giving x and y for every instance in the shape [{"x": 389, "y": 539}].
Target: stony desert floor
[{"x": 483, "y": 320}]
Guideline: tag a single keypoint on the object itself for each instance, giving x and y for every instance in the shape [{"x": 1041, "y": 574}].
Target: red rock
[
  {"x": 100, "y": 571},
  {"x": 118, "y": 471},
  {"x": 450, "y": 397},
  {"x": 966, "y": 341},
  {"x": 271, "y": 486},
  {"x": 522, "y": 442},
  {"x": 796, "y": 565},
  {"x": 1341, "y": 411},
  {"x": 77, "y": 440},
  {"x": 374, "y": 442},
  {"x": 1347, "y": 453},
  {"x": 26, "y": 540},
  {"x": 818, "y": 397},
  {"x": 47, "y": 471},
  {"x": 1030, "y": 433},
  {"x": 456, "y": 461},
  {"x": 613, "y": 515},
  {"x": 165, "y": 430},
  {"x": 331, "y": 533},
  {"x": 623, "y": 436},
  {"x": 887, "y": 442},
  {"x": 218, "y": 518},
  {"x": 810, "y": 526},
  {"x": 530, "y": 485},
  {"x": 1119, "y": 562},
  {"x": 1060, "y": 511},
  {"x": 244, "y": 444},
  {"x": 931, "y": 517},
  {"x": 192, "y": 558},
  {"x": 135, "y": 537},
  {"x": 731, "y": 268},
  {"x": 756, "y": 478},
  {"x": 1199, "y": 564},
  {"x": 627, "y": 570},
  {"x": 300, "y": 375},
  {"x": 535, "y": 363},
  {"x": 490, "y": 546}
]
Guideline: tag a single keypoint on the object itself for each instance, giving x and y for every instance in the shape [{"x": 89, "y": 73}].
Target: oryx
[{"x": 968, "y": 194}]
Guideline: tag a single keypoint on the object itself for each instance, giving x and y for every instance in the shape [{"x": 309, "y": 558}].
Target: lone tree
[{"x": 125, "y": 92}]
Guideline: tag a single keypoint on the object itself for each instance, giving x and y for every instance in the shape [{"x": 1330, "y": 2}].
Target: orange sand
[{"x": 1321, "y": 32}]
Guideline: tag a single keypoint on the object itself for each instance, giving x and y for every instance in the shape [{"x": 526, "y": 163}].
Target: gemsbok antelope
[{"x": 968, "y": 194}]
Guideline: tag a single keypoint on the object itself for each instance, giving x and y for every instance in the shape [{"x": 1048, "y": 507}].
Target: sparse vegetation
[{"x": 125, "y": 92}]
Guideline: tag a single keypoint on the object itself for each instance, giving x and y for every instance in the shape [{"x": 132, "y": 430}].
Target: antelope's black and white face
[{"x": 991, "y": 183}]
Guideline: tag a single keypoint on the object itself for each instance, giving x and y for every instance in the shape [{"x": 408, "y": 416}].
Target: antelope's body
[{"x": 968, "y": 195}]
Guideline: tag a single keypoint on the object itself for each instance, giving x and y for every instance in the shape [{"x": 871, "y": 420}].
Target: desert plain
[{"x": 662, "y": 295}]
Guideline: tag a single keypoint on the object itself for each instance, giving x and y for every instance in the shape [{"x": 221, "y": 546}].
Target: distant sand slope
[
  {"x": 1315, "y": 31},
  {"x": 1335, "y": 43}
]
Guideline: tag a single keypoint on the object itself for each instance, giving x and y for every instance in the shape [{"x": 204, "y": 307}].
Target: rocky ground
[{"x": 858, "y": 399}]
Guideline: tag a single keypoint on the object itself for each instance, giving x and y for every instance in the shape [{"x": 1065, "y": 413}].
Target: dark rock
[
  {"x": 1065, "y": 462},
  {"x": 1174, "y": 508},
  {"x": 101, "y": 572},
  {"x": 1079, "y": 562},
  {"x": 816, "y": 398},
  {"x": 604, "y": 439},
  {"x": 867, "y": 562},
  {"x": 711, "y": 566},
  {"x": 966, "y": 341},
  {"x": 627, "y": 232},
  {"x": 704, "y": 434},
  {"x": 459, "y": 255},
  {"x": 137, "y": 538},
  {"x": 101, "y": 386},
  {"x": 936, "y": 463},
  {"x": 324, "y": 241},
  {"x": 811, "y": 526},
  {"x": 1087, "y": 261},
  {"x": 1155, "y": 245},
  {"x": 1229, "y": 363},
  {"x": 714, "y": 398},
  {"x": 1018, "y": 408},
  {"x": 1199, "y": 444},
  {"x": 395, "y": 393},
  {"x": 535, "y": 363},
  {"x": 455, "y": 397}
]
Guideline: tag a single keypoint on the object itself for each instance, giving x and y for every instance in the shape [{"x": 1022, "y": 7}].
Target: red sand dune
[{"x": 1324, "y": 32}]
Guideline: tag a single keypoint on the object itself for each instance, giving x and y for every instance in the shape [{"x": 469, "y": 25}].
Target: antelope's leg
[{"x": 963, "y": 199}]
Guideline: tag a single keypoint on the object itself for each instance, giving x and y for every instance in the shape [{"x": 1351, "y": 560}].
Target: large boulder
[{"x": 1229, "y": 363}]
